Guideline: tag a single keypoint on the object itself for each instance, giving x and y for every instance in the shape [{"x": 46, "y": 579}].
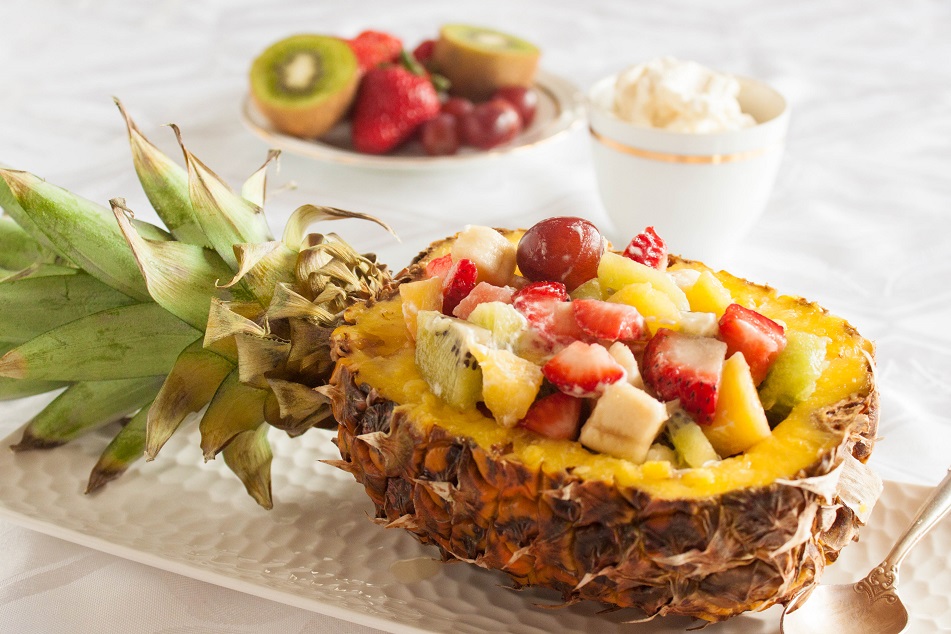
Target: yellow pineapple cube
[
  {"x": 658, "y": 309},
  {"x": 616, "y": 271},
  {"x": 509, "y": 383},
  {"x": 422, "y": 295},
  {"x": 708, "y": 295},
  {"x": 739, "y": 421}
]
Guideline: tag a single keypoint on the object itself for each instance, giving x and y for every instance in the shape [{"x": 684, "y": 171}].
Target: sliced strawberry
[
  {"x": 583, "y": 369},
  {"x": 439, "y": 267},
  {"x": 555, "y": 416},
  {"x": 758, "y": 337},
  {"x": 459, "y": 282},
  {"x": 686, "y": 367},
  {"x": 483, "y": 292},
  {"x": 546, "y": 308},
  {"x": 608, "y": 320},
  {"x": 373, "y": 48},
  {"x": 540, "y": 291},
  {"x": 648, "y": 248}
]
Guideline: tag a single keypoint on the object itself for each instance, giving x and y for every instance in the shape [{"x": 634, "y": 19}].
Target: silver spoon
[{"x": 870, "y": 606}]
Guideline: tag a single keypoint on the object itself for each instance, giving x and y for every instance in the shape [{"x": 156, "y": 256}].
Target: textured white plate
[
  {"x": 560, "y": 107},
  {"x": 319, "y": 550}
]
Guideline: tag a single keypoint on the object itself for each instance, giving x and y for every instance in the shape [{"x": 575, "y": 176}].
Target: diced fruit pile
[
  {"x": 567, "y": 339},
  {"x": 469, "y": 87}
]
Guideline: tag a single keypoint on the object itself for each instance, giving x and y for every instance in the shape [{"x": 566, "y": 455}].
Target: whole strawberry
[
  {"x": 392, "y": 102},
  {"x": 373, "y": 48}
]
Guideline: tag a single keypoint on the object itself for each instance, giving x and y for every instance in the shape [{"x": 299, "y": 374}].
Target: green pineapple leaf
[
  {"x": 190, "y": 386},
  {"x": 125, "y": 449},
  {"x": 225, "y": 217},
  {"x": 35, "y": 305},
  {"x": 86, "y": 406},
  {"x": 129, "y": 341},
  {"x": 249, "y": 456},
  {"x": 235, "y": 408},
  {"x": 84, "y": 232},
  {"x": 165, "y": 184}
]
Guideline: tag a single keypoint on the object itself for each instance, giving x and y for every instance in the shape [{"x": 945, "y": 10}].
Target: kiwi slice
[
  {"x": 478, "y": 61},
  {"x": 304, "y": 84},
  {"x": 444, "y": 359}
]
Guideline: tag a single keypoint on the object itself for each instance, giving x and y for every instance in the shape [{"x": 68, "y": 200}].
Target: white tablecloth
[{"x": 859, "y": 219}]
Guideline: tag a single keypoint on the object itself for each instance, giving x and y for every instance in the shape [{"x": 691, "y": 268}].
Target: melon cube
[
  {"x": 739, "y": 421},
  {"x": 482, "y": 293},
  {"x": 492, "y": 253},
  {"x": 708, "y": 295},
  {"x": 422, "y": 295},
  {"x": 616, "y": 271}
]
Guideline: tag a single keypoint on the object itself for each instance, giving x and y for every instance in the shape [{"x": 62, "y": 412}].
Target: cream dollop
[{"x": 680, "y": 96}]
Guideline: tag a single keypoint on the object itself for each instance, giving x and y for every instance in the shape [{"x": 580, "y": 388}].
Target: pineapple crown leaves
[{"x": 206, "y": 313}]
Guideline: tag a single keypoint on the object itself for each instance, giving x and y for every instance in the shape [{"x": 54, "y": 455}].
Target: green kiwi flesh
[
  {"x": 305, "y": 83},
  {"x": 478, "y": 61}
]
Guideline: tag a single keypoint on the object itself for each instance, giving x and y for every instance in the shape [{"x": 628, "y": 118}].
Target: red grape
[
  {"x": 491, "y": 124},
  {"x": 424, "y": 51},
  {"x": 440, "y": 135},
  {"x": 458, "y": 106},
  {"x": 562, "y": 249},
  {"x": 524, "y": 99}
]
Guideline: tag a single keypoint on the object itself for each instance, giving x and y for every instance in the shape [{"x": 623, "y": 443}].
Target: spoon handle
[{"x": 930, "y": 513}]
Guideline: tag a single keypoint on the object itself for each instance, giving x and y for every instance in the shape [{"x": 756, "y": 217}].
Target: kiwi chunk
[
  {"x": 444, "y": 358},
  {"x": 478, "y": 61},
  {"x": 304, "y": 84}
]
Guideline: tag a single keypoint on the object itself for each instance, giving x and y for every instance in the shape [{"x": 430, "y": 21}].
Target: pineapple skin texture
[{"x": 709, "y": 557}]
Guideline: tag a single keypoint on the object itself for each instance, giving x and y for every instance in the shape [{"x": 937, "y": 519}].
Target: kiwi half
[
  {"x": 478, "y": 61},
  {"x": 304, "y": 84}
]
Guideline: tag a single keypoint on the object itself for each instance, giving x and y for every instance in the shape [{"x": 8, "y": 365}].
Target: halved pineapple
[
  {"x": 738, "y": 534},
  {"x": 734, "y": 535}
]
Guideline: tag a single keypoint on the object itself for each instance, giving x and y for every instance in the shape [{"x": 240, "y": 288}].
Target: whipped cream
[{"x": 680, "y": 96}]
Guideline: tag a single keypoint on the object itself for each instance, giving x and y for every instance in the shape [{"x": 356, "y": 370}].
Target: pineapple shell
[{"x": 709, "y": 557}]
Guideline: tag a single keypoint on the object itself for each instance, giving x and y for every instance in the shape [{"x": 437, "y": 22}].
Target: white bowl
[{"x": 701, "y": 192}]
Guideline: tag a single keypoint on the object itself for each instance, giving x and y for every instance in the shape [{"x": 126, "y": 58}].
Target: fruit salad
[
  {"x": 471, "y": 86},
  {"x": 557, "y": 334}
]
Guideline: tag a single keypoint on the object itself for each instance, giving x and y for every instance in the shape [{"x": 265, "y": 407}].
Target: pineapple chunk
[
  {"x": 739, "y": 421},
  {"x": 492, "y": 253},
  {"x": 506, "y": 323},
  {"x": 658, "y": 309},
  {"x": 689, "y": 442},
  {"x": 708, "y": 295},
  {"x": 616, "y": 271},
  {"x": 588, "y": 290},
  {"x": 422, "y": 295},
  {"x": 624, "y": 422},
  {"x": 509, "y": 384}
]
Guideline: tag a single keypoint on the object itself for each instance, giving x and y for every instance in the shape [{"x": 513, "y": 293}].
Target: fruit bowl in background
[
  {"x": 701, "y": 191},
  {"x": 560, "y": 108}
]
